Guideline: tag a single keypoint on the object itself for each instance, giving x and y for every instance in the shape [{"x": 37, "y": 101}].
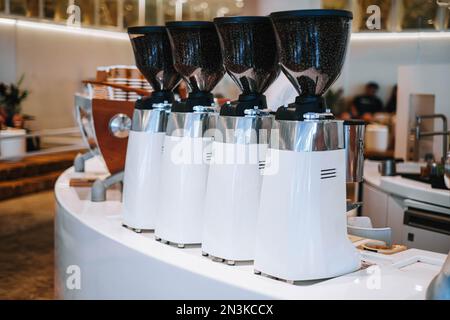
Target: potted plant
[
  {"x": 11, "y": 98},
  {"x": 12, "y": 121}
]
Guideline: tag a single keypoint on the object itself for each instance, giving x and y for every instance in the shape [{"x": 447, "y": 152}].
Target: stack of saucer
[
  {"x": 134, "y": 81},
  {"x": 118, "y": 75},
  {"x": 100, "y": 91},
  {"x": 145, "y": 85}
]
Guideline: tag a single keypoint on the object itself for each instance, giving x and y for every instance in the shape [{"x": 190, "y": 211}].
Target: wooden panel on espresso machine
[{"x": 112, "y": 149}]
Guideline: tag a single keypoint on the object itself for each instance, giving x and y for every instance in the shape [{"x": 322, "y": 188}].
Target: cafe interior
[{"x": 118, "y": 119}]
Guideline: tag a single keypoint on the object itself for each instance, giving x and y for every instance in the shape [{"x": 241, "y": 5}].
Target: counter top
[
  {"x": 405, "y": 188},
  {"x": 118, "y": 263}
]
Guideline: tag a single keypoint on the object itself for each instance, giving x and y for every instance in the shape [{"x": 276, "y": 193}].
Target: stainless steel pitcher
[{"x": 354, "y": 149}]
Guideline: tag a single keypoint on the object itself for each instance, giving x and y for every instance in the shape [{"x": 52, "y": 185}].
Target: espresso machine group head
[
  {"x": 153, "y": 56},
  {"x": 302, "y": 233},
  {"x": 197, "y": 57},
  {"x": 241, "y": 140}
]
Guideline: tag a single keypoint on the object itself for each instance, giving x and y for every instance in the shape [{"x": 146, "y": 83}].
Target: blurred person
[
  {"x": 366, "y": 105},
  {"x": 391, "y": 106},
  {"x": 3, "y": 116}
]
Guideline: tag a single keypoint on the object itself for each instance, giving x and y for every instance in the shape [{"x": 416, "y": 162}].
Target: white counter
[
  {"x": 114, "y": 262},
  {"x": 405, "y": 188}
]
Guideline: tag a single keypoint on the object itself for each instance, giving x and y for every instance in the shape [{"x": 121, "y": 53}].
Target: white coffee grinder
[
  {"x": 153, "y": 56},
  {"x": 241, "y": 141},
  {"x": 187, "y": 145},
  {"x": 302, "y": 232}
]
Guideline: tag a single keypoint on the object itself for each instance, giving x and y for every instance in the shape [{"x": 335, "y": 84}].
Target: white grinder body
[
  {"x": 184, "y": 174},
  {"x": 234, "y": 185},
  {"x": 143, "y": 167},
  {"x": 302, "y": 233}
]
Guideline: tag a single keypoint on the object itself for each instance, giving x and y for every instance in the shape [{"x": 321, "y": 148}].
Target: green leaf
[{"x": 21, "y": 79}]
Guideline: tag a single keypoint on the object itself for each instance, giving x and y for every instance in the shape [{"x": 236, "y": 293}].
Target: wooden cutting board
[{"x": 113, "y": 149}]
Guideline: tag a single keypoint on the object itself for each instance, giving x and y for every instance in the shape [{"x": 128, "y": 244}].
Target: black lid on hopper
[
  {"x": 312, "y": 13},
  {"x": 189, "y": 24},
  {"x": 241, "y": 19},
  {"x": 146, "y": 29}
]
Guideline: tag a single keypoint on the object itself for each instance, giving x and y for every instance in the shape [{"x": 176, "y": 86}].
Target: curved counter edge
[{"x": 96, "y": 258}]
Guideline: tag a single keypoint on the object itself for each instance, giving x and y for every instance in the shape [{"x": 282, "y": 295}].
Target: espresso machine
[
  {"x": 187, "y": 145},
  {"x": 241, "y": 140},
  {"x": 84, "y": 118},
  {"x": 153, "y": 56},
  {"x": 301, "y": 232}
]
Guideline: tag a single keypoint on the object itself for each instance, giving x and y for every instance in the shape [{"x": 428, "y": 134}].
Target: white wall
[
  {"x": 377, "y": 59},
  {"x": 54, "y": 63},
  {"x": 7, "y": 53},
  {"x": 431, "y": 79}
]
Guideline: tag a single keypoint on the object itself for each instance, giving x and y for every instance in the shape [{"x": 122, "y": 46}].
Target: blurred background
[{"x": 49, "y": 48}]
